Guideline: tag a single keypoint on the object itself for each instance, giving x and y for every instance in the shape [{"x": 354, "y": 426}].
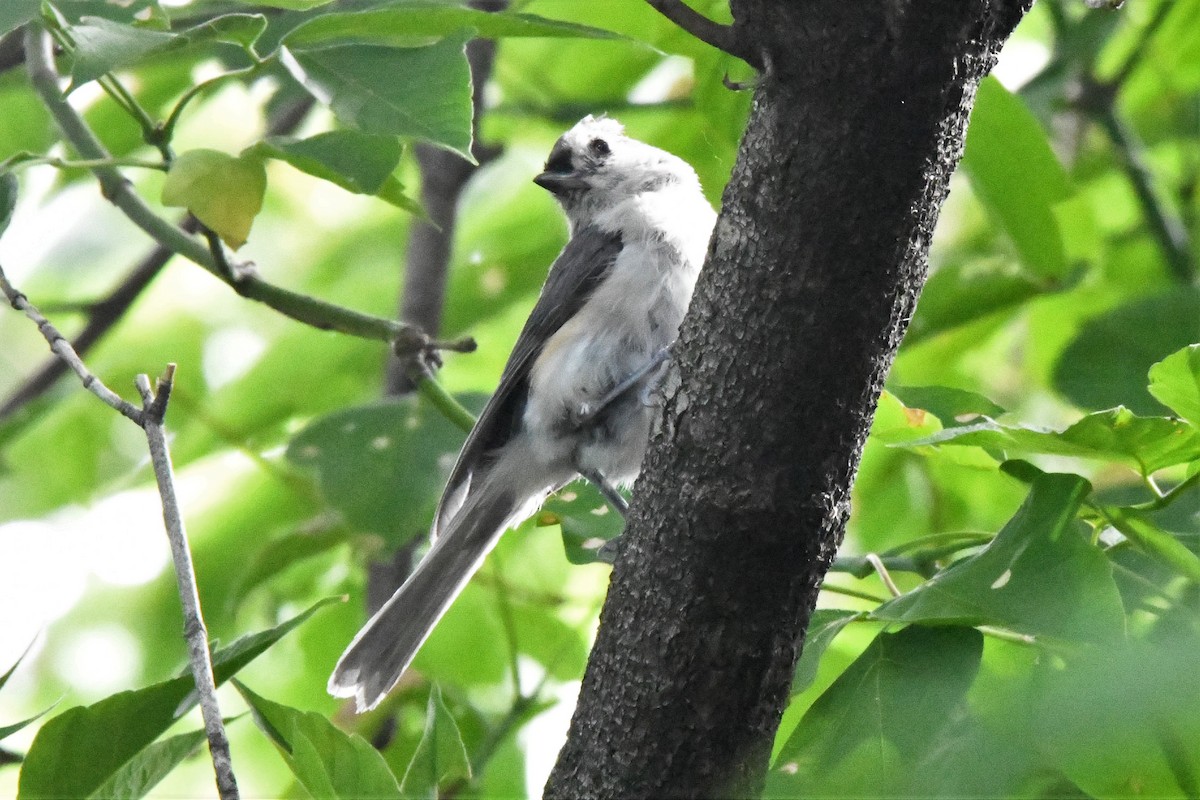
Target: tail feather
[{"x": 387, "y": 644}]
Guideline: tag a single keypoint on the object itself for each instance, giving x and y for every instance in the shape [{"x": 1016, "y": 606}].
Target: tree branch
[
  {"x": 105, "y": 313},
  {"x": 723, "y": 37},
  {"x": 12, "y": 52},
  {"x": 1099, "y": 99},
  {"x": 149, "y": 417},
  {"x": 154, "y": 407},
  {"x": 745, "y": 489},
  {"x": 1168, "y": 230},
  {"x": 62, "y": 348},
  {"x": 443, "y": 177},
  {"x": 302, "y": 308}
]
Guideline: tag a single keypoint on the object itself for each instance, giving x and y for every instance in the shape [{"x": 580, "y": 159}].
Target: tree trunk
[{"x": 813, "y": 272}]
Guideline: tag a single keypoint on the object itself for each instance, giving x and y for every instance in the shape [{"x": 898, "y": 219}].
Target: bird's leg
[
  {"x": 608, "y": 551},
  {"x": 609, "y": 491},
  {"x": 589, "y": 411}
]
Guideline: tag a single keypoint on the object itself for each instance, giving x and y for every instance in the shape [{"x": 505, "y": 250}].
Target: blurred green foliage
[{"x": 1029, "y": 484}]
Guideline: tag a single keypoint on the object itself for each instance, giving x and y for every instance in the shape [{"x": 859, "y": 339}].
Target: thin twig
[
  {"x": 149, "y": 418},
  {"x": 105, "y": 313},
  {"x": 303, "y": 308},
  {"x": 1135, "y": 55},
  {"x": 154, "y": 407},
  {"x": 1167, "y": 228},
  {"x": 1099, "y": 99},
  {"x": 444, "y": 402},
  {"x": 62, "y": 348},
  {"x": 848, "y": 592},
  {"x": 722, "y": 37},
  {"x": 884, "y": 575}
]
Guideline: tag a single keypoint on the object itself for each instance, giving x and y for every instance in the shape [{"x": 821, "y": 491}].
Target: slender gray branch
[
  {"x": 102, "y": 316},
  {"x": 150, "y": 417},
  {"x": 62, "y": 348},
  {"x": 154, "y": 407}
]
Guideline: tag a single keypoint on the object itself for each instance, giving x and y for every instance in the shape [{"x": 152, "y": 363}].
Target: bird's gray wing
[{"x": 580, "y": 267}]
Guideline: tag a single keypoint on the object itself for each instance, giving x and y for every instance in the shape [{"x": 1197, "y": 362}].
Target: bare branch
[
  {"x": 722, "y": 37},
  {"x": 154, "y": 407},
  {"x": 1098, "y": 98},
  {"x": 1166, "y": 227},
  {"x": 443, "y": 176},
  {"x": 105, "y": 313},
  {"x": 150, "y": 418},
  {"x": 62, "y": 348},
  {"x": 12, "y": 52}
]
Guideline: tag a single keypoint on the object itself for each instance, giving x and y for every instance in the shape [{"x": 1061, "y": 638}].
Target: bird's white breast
[{"x": 633, "y": 313}]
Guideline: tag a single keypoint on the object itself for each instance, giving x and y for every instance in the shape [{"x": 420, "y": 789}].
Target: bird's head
[{"x": 595, "y": 166}]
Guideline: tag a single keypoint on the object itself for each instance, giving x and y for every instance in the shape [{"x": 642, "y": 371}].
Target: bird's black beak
[
  {"x": 560, "y": 175},
  {"x": 560, "y": 182}
]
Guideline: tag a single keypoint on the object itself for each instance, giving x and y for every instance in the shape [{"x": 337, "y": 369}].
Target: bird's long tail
[{"x": 386, "y": 645}]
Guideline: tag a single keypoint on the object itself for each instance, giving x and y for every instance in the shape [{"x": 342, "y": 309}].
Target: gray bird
[{"x": 574, "y": 397}]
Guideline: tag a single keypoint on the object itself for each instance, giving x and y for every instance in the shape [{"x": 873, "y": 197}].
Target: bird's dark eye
[{"x": 599, "y": 147}]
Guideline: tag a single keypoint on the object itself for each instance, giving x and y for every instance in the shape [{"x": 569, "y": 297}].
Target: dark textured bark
[{"x": 812, "y": 276}]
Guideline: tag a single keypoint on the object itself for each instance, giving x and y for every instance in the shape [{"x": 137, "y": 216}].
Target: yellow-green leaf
[{"x": 223, "y": 191}]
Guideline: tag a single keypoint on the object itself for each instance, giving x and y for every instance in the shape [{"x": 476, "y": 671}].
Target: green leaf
[
  {"x": 102, "y": 46},
  {"x": 876, "y": 721},
  {"x": 382, "y": 466},
  {"x": 423, "y": 92},
  {"x": 894, "y": 422},
  {"x": 587, "y": 521},
  {"x": 957, "y": 294},
  {"x": 1039, "y": 576},
  {"x": 9, "y": 730},
  {"x": 823, "y": 627},
  {"x": 952, "y": 406},
  {"x": 1125, "y": 725},
  {"x": 328, "y": 762},
  {"x": 1015, "y": 173},
  {"x": 85, "y": 736},
  {"x": 1146, "y": 444},
  {"x": 424, "y": 22},
  {"x": 225, "y": 193},
  {"x": 144, "y": 771},
  {"x": 4, "y": 678},
  {"x": 242, "y": 30},
  {"x": 289, "y": 5},
  {"x": 440, "y": 756},
  {"x": 1106, "y": 363},
  {"x": 15, "y": 13},
  {"x": 357, "y": 162},
  {"x": 283, "y": 552},
  {"x": 1155, "y": 542},
  {"x": 392, "y": 192},
  {"x": 1175, "y": 382}
]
